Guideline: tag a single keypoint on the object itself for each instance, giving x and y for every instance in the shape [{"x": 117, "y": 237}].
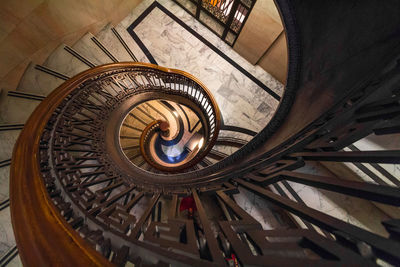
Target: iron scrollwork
[{"x": 142, "y": 221}]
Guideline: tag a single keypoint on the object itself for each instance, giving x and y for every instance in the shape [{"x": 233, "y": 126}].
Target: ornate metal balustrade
[
  {"x": 72, "y": 204},
  {"x": 129, "y": 216},
  {"x": 223, "y": 17}
]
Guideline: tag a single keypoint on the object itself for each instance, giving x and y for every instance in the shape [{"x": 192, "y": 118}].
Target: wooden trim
[
  {"x": 141, "y": 143},
  {"x": 43, "y": 236}
]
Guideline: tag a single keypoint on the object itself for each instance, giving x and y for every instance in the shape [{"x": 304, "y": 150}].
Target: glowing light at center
[{"x": 201, "y": 142}]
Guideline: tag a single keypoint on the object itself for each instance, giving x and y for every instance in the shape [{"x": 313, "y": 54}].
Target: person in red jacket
[{"x": 188, "y": 203}]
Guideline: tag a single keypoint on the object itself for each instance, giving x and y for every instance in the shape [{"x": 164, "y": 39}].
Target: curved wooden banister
[
  {"x": 43, "y": 236},
  {"x": 326, "y": 98},
  {"x": 143, "y": 137}
]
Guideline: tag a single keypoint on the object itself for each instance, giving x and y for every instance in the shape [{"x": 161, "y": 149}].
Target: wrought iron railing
[
  {"x": 139, "y": 125},
  {"x": 88, "y": 213},
  {"x": 225, "y": 18},
  {"x": 98, "y": 197}
]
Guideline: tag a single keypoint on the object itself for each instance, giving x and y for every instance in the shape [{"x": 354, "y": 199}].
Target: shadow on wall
[
  {"x": 262, "y": 40},
  {"x": 31, "y": 29}
]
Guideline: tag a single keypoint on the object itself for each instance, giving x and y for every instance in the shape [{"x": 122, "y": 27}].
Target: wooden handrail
[
  {"x": 321, "y": 103},
  {"x": 43, "y": 236},
  {"x": 142, "y": 139}
]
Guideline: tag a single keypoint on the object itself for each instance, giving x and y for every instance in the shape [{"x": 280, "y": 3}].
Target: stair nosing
[
  {"x": 104, "y": 49},
  {"x": 124, "y": 44},
  {"x": 77, "y": 55}
]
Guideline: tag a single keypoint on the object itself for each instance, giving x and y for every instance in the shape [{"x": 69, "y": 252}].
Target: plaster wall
[
  {"x": 262, "y": 40},
  {"x": 31, "y": 29}
]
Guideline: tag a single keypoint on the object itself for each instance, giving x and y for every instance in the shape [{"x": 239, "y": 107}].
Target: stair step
[
  {"x": 25, "y": 95},
  {"x": 154, "y": 110},
  {"x": 228, "y": 150},
  {"x": 129, "y": 143},
  {"x": 15, "y": 109},
  {"x": 38, "y": 82},
  {"x": 146, "y": 167},
  {"x": 4, "y": 184},
  {"x": 62, "y": 61},
  {"x": 84, "y": 60},
  {"x": 11, "y": 127},
  {"x": 88, "y": 48},
  {"x": 11, "y": 258},
  {"x": 6, "y": 232},
  {"x": 5, "y": 163},
  {"x": 138, "y": 119},
  {"x": 104, "y": 49},
  {"x": 107, "y": 37},
  {"x": 141, "y": 57},
  {"x": 52, "y": 72},
  {"x": 128, "y": 131},
  {"x": 124, "y": 44},
  {"x": 7, "y": 141},
  {"x": 6, "y": 202}
]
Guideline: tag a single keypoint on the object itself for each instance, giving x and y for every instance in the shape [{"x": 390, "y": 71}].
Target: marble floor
[{"x": 241, "y": 101}]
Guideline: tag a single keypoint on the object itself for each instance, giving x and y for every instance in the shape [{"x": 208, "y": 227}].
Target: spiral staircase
[{"x": 118, "y": 162}]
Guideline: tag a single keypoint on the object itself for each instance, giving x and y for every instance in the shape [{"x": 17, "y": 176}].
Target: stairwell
[{"x": 243, "y": 102}]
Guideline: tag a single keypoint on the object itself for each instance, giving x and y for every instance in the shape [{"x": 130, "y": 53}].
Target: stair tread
[
  {"x": 225, "y": 149},
  {"x": 38, "y": 82},
  {"x": 7, "y": 141},
  {"x": 4, "y": 183},
  {"x": 6, "y": 232},
  {"x": 15, "y": 110},
  {"x": 109, "y": 40},
  {"x": 62, "y": 61},
  {"x": 141, "y": 57},
  {"x": 15, "y": 262},
  {"x": 87, "y": 48}
]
